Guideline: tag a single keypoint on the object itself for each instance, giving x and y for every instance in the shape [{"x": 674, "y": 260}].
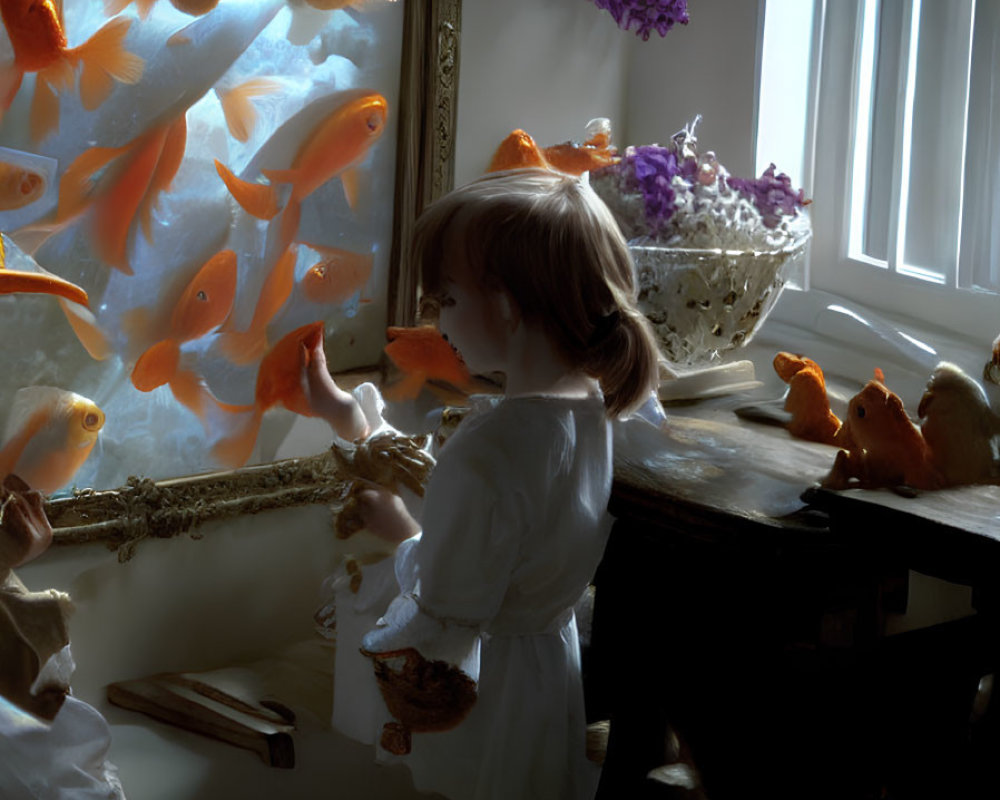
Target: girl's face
[{"x": 473, "y": 322}]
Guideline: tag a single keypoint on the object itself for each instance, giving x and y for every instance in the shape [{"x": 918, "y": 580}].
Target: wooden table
[{"x": 750, "y": 621}]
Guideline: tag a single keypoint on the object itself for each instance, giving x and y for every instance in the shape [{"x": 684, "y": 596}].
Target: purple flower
[
  {"x": 773, "y": 195},
  {"x": 654, "y": 168},
  {"x": 646, "y": 15}
]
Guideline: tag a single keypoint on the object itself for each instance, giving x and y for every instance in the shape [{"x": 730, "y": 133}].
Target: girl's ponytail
[{"x": 622, "y": 354}]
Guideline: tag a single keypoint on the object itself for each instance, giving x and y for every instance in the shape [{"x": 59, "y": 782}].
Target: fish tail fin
[
  {"x": 105, "y": 60},
  {"x": 113, "y": 7},
  {"x": 84, "y": 325},
  {"x": 289, "y": 226},
  {"x": 157, "y": 366},
  {"x": 235, "y": 449},
  {"x": 192, "y": 392},
  {"x": 407, "y": 388},
  {"x": 243, "y": 347},
  {"x": 76, "y": 183},
  {"x": 31, "y": 237},
  {"x": 43, "y": 118},
  {"x": 167, "y": 165},
  {"x": 257, "y": 199},
  {"x": 239, "y": 111}
]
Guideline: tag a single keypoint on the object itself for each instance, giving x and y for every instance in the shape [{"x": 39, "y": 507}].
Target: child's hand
[
  {"x": 374, "y": 508},
  {"x": 326, "y": 399}
]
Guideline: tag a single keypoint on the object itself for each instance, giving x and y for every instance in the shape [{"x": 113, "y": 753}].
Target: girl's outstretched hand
[{"x": 326, "y": 399}]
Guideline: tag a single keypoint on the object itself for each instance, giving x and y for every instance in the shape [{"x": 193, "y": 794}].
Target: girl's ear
[{"x": 509, "y": 312}]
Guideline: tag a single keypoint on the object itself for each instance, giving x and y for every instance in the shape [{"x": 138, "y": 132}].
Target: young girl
[{"x": 533, "y": 280}]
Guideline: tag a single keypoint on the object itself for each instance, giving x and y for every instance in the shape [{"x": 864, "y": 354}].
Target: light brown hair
[{"x": 551, "y": 244}]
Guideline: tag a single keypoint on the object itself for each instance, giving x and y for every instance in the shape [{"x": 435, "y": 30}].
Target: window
[{"x": 901, "y": 150}]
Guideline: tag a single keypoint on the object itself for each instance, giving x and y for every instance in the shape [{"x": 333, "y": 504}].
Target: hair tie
[{"x": 604, "y": 327}]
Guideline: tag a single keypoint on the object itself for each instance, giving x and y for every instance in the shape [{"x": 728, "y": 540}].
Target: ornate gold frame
[{"x": 425, "y": 169}]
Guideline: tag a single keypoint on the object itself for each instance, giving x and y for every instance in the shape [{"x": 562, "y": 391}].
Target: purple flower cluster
[
  {"x": 654, "y": 168},
  {"x": 773, "y": 195},
  {"x": 646, "y": 15}
]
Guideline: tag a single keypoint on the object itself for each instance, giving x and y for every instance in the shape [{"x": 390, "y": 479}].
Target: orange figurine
[
  {"x": 519, "y": 150},
  {"x": 881, "y": 446},
  {"x": 806, "y": 400}
]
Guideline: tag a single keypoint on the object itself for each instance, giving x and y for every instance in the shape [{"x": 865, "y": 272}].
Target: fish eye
[
  {"x": 374, "y": 121},
  {"x": 861, "y": 411},
  {"x": 92, "y": 421},
  {"x": 202, "y": 296}
]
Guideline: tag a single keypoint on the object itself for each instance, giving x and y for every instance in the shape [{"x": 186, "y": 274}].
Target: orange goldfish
[
  {"x": 49, "y": 434},
  {"x": 423, "y": 354},
  {"x": 193, "y": 7},
  {"x": 145, "y": 167},
  {"x": 334, "y": 149},
  {"x": 806, "y": 400},
  {"x": 279, "y": 381},
  {"x": 19, "y": 186},
  {"x": 243, "y": 347},
  {"x": 519, "y": 150},
  {"x": 203, "y": 305},
  {"x": 36, "y": 34},
  {"x": 338, "y": 276}
]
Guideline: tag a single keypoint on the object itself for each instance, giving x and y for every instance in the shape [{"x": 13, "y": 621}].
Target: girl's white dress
[{"x": 514, "y": 524}]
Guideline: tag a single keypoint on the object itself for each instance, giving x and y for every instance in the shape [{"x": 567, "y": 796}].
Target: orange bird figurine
[
  {"x": 279, "y": 381},
  {"x": 203, "y": 305},
  {"x": 35, "y": 29},
  {"x": 423, "y": 354},
  {"x": 519, "y": 150}
]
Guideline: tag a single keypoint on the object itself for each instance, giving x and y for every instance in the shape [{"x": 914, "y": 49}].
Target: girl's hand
[
  {"x": 326, "y": 399},
  {"x": 374, "y": 508}
]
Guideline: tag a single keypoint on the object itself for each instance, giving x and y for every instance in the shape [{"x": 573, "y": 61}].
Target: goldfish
[
  {"x": 338, "y": 276},
  {"x": 279, "y": 381},
  {"x": 806, "y": 400},
  {"x": 519, "y": 150},
  {"x": 36, "y": 33},
  {"x": 193, "y": 7},
  {"x": 423, "y": 354},
  {"x": 243, "y": 347},
  {"x": 203, "y": 305},
  {"x": 129, "y": 189},
  {"x": 49, "y": 434},
  {"x": 880, "y": 445},
  {"x": 334, "y": 148}
]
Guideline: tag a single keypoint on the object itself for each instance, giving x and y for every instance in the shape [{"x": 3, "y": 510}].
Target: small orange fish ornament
[
  {"x": 334, "y": 148},
  {"x": 246, "y": 346},
  {"x": 35, "y": 29},
  {"x": 881, "y": 447},
  {"x": 338, "y": 276},
  {"x": 423, "y": 354},
  {"x": 279, "y": 381},
  {"x": 519, "y": 150},
  {"x": 49, "y": 434},
  {"x": 203, "y": 305},
  {"x": 806, "y": 400}
]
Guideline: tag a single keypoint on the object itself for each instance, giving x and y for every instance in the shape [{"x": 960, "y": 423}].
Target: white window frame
[{"x": 828, "y": 165}]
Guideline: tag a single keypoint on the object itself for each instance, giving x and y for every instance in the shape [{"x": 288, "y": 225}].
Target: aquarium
[{"x": 214, "y": 179}]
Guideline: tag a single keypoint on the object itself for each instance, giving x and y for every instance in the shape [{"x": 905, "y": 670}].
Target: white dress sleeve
[{"x": 454, "y": 576}]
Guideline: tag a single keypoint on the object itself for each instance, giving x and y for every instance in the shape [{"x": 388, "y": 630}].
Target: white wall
[{"x": 549, "y": 67}]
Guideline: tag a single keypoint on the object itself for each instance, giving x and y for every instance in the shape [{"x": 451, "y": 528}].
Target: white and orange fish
[
  {"x": 336, "y": 278},
  {"x": 203, "y": 305},
  {"x": 237, "y": 108},
  {"x": 49, "y": 434},
  {"x": 35, "y": 29},
  {"x": 193, "y": 7},
  {"x": 334, "y": 148},
  {"x": 246, "y": 346}
]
